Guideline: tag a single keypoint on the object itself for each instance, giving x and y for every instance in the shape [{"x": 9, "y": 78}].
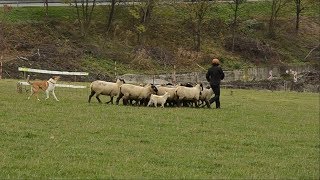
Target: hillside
[{"x": 29, "y": 39}]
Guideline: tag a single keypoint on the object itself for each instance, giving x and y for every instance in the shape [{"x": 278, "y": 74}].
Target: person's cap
[{"x": 215, "y": 61}]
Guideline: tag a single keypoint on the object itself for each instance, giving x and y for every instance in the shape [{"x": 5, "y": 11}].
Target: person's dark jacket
[{"x": 215, "y": 75}]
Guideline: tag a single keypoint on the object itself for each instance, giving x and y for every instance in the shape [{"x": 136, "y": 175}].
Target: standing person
[{"x": 214, "y": 75}]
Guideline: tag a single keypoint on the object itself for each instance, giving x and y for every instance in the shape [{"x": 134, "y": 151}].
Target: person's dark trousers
[{"x": 216, "y": 98}]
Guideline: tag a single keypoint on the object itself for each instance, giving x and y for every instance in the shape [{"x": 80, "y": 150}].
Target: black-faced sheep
[
  {"x": 156, "y": 99},
  {"x": 105, "y": 88},
  {"x": 205, "y": 96},
  {"x": 189, "y": 93},
  {"x": 137, "y": 93}
]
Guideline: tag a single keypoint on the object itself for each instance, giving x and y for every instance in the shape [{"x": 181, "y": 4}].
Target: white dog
[{"x": 156, "y": 99}]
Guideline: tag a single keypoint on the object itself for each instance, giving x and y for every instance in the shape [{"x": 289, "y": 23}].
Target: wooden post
[
  {"x": 115, "y": 69},
  {"x": 174, "y": 75},
  {"x": 197, "y": 77},
  {"x": 1, "y": 68}
]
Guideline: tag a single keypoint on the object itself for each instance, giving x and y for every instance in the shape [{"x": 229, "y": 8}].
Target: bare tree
[
  {"x": 235, "y": 6},
  {"x": 84, "y": 14},
  {"x": 276, "y": 6},
  {"x": 198, "y": 9},
  {"x": 111, "y": 14},
  {"x": 299, "y": 9},
  {"x": 142, "y": 13}
]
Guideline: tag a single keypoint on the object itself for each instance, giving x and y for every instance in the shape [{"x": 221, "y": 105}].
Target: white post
[
  {"x": 115, "y": 69},
  {"x": 174, "y": 75}
]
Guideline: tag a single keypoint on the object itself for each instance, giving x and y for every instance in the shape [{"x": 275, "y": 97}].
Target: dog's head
[{"x": 56, "y": 78}]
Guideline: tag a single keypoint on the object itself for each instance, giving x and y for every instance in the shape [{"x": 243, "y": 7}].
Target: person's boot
[
  {"x": 211, "y": 101},
  {"x": 218, "y": 104}
]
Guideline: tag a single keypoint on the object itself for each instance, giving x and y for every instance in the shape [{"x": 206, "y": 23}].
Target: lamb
[
  {"x": 156, "y": 99},
  {"x": 137, "y": 93},
  {"x": 189, "y": 93},
  {"x": 205, "y": 96},
  {"x": 105, "y": 88}
]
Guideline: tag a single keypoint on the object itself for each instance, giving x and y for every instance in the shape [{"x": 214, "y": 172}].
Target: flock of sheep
[{"x": 169, "y": 95}]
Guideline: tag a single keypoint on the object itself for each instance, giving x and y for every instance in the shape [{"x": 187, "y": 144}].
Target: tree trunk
[
  {"x": 113, "y": 2},
  {"x": 235, "y": 24},
  {"x": 198, "y": 39},
  {"x": 298, "y": 11},
  {"x": 272, "y": 19}
]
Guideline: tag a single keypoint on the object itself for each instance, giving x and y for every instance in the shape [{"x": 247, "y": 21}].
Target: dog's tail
[{"x": 28, "y": 80}]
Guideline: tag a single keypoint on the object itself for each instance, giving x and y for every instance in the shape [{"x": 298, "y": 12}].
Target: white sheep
[
  {"x": 137, "y": 93},
  {"x": 189, "y": 93},
  {"x": 205, "y": 95},
  {"x": 156, "y": 99},
  {"x": 172, "y": 93},
  {"x": 105, "y": 88}
]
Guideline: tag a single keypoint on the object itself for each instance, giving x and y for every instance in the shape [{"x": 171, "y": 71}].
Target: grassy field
[{"x": 256, "y": 134}]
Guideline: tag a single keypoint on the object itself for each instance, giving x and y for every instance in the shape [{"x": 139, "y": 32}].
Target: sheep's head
[
  {"x": 120, "y": 81},
  {"x": 200, "y": 87},
  {"x": 154, "y": 88},
  {"x": 188, "y": 84}
]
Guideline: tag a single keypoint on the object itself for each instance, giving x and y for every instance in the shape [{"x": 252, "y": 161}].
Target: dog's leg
[
  {"x": 54, "y": 95},
  {"x": 37, "y": 95},
  {"x": 47, "y": 94},
  {"x": 31, "y": 93}
]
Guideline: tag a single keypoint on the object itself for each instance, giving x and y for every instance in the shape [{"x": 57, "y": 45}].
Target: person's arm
[
  {"x": 222, "y": 73},
  {"x": 208, "y": 76}
]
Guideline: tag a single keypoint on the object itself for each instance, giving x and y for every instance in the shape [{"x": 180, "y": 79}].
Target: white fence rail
[
  {"x": 23, "y": 69},
  {"x": 53, "y": 72}
]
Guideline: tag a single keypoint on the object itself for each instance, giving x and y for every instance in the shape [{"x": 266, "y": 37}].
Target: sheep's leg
[
  {"x": 144, "y": 102},
  {"x": 208, "y": 103},
  {"x": 196, "y": 103},
  {"x": 90, "y": 96},
  {"x": 119, "y": 97},
  {"x": 179, "y": 102},
  {"x": 97, "y": 97},
  {"x": 149, "y": 103},
  {"x": 111, "y": 100}
]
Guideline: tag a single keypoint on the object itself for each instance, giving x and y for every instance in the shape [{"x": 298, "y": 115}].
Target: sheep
[
  {"x": 105, "y": 88},
  {"x": 189, "y": 93},
  {"x": 205, "y": 96},
  {"x": 156, "y": 99},
  {"x": 137, "y": 93}
]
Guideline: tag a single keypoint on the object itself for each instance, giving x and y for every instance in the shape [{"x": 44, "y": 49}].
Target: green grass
[{"x": 256, "y": 134}]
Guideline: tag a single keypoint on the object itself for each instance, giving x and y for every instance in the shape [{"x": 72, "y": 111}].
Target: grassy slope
[
  {"x": 256, "y": 134},
  {"x": 168, "y": 32}
]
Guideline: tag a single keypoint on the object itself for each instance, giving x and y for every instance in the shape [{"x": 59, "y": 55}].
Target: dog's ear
[{"x": 56, "y": 77}]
